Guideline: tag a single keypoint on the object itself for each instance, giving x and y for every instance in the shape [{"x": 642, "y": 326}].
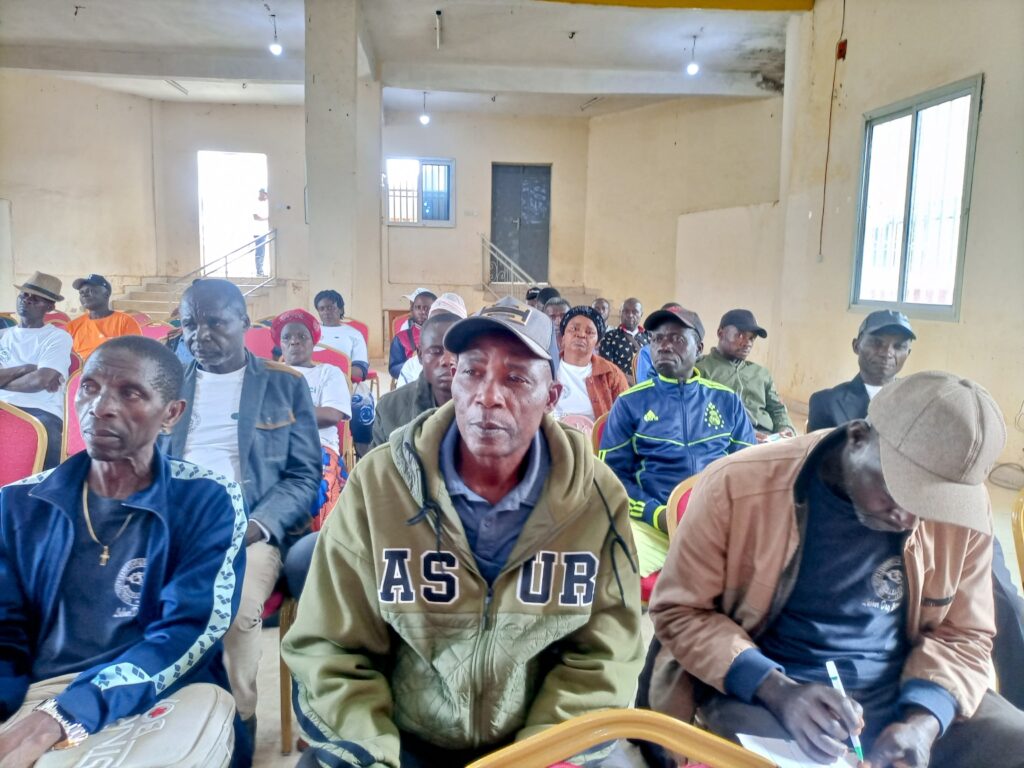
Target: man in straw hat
[
  {"x": 868, "y": 546},
  {"x": 34, "y": 360}
]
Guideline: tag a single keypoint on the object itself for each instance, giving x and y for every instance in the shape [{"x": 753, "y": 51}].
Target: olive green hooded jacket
[{"x": 397, "y": 630}]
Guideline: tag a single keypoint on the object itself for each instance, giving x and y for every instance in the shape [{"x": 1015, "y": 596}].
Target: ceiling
[{"x": 502, "y": 56}]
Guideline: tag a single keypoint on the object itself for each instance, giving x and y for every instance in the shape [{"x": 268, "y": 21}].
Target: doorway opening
[
  {"x": 235, "y": 231},
  {"x": 521, "y": 215}
]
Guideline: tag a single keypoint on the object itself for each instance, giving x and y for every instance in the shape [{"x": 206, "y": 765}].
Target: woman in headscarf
[{"x": 590, "y": 383}]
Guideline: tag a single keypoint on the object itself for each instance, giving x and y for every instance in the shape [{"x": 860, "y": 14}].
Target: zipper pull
[{"x": 487, "y": 606}]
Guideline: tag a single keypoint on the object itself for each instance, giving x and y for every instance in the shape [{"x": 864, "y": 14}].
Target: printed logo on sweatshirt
[
  {"x": 713, "y": 417},
  {"x": 650, "y": 416},
  {"x": 570, "y": 578},
  {"x": 887, "y": 584}
]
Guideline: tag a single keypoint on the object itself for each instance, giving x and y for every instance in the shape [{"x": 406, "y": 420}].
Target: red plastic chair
[
  {"x": 595, "y": 435},
  {"x": 332, "y": 356},
  {"x": 157, "y": 331},
  {"x": 259, "y": 342},
  {"x": 76, "y": 363},
  {"x": 24, "y": 441},
  {"x": 674, "y": 509},
  {"x": 72, "y": 441},
  {"x": 371, "y": 375},
  {"x": 49, "y": 317},
  {"x": 396, "y": 323},
  {"x": 141, "y": 317}
]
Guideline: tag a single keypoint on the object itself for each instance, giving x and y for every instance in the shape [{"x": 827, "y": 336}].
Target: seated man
[
  {"x": 433, "y": 387},
  {"x": 252, "y": 421},
  {"x": 34, "y": 361},
  {"x": 99, "y": 322},
  {"x": 668, "y": 428},
  {"x": 446, "y": 303},
  {"x": 868, "y": 546},
  {"x": 727, "y": 364},
  {"x": 620, "y": 345},
  {"x": 119, "y": 571},
  {"x": 341, "y": 336},
  {"x": 882, "y": 347},
  {"x": 479, "y": 585},
  {"x": 555, "y": 308},
  {"x": 644, "y": 365},
  {"x": 603, "y": 307},
  {"x": 407, "y": 340}
]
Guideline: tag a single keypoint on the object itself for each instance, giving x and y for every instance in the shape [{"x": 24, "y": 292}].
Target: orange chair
[
  {"x": 259, "y": 342},
  {"x": 72, "y": 441},
  {"x": 24, "y": 440},
  {"x": 76, "y": 363},
  {"x": 157, "y": 331},
  {"x": 141, "y": 317},
  {"x": 677, "y": 502},
  {"x": 63, "y": 317},
  {"x": 586, "y": 731},
  {"x": 595, "y": 436},
  {"x": 396, "y": 323}
]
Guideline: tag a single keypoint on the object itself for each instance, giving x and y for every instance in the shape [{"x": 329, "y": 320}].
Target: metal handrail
[
  {"x": 228, "y": 258},
  {"x": 498, "y": 268}
]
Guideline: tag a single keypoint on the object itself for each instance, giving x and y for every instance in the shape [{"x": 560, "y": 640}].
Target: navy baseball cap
[
  {"x": 743, "y": 320},
  {"x": 99, "y": 280},
  {"x": 886, "y": 320}
]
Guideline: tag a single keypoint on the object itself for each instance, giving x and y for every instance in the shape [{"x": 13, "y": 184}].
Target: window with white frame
[
  {"x": 915, "y": 199},
  {"x": 420, "y": 191}
]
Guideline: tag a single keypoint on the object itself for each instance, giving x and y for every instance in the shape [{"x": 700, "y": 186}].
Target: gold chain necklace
[{"x": 105, "y": 554}]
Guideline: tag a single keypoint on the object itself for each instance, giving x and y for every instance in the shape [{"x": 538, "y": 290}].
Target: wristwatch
[{"x": 74, "y": 733}]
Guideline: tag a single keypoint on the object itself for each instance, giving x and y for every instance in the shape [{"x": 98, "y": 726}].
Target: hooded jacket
[{"x": 398, "y": 631}]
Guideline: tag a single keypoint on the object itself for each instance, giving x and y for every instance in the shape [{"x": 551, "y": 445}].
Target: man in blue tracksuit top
[
  {"x": 120, "y": 571},
  {"x": 669, "y": 428}
]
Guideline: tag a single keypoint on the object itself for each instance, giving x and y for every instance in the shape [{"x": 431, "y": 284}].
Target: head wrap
[
  {"x": 294, "y": 316},
  {"x": 592, "y": 314}
]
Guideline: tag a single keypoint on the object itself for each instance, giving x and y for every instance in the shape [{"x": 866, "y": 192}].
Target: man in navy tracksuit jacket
[
  {"x": 120, "y": 637},
  {"x": 669, "y": 428}
]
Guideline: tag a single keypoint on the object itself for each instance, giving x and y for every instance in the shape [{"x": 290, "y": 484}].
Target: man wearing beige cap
[
  {"x": 34, "y": 360},
  {"x": 868, "y": 546}
]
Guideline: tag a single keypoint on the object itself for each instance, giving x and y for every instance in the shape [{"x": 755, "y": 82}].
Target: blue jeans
[{"x": 296, "y": 563}]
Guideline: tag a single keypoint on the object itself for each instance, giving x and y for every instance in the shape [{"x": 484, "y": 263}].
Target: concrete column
[{"x": 331, "y": 141}]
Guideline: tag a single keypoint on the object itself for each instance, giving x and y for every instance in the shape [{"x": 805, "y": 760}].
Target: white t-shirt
[
  {"x": 46, "y": 347},
  {"x": 262, "y": 209},
  {"x": 574, "y": 397},
  {"x": 328, "y": 389},
  {"x": 411, "y": 370},
  {"x": 872, "y": 390},
  {"x": 212, "y": 440},
  {"x": 346, "y": 340}
]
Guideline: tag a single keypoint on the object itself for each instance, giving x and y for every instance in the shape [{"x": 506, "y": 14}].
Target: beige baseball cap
[{"x": 939, "y": 437}]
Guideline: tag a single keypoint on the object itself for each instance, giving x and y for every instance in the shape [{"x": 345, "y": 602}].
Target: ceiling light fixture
[
  {"x": 275, "y": 47},
  {"x": 693, "y": 67},
  {"x": 424, "y": 117}
]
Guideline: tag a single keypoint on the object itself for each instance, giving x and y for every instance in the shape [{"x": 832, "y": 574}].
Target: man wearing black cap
[
  {"x": 882, "y": 347},
  {"x": 481, "y": 584},
  {"x": 99, "y": 322},
  {"x": 668, "y": 428},
  {"x": 727, "y": 364}
]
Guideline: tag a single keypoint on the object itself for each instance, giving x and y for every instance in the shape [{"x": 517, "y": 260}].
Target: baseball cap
[
  {"x": 687, "y": 317},
  {"x": 448, "y": 303},
  {"x": 99, "y": 280},
  {"x": 886, "y": 319},
  {"x": 939, "y": 435},
  {"x": 529, "y": 325},
  {"x": 743, "y": 320},
  {"x": 412, "y": 296},
  {"x": 532, "y": 292}
]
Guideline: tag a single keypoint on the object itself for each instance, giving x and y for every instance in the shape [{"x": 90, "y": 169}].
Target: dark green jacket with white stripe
[{"x": 662, "y": 431}]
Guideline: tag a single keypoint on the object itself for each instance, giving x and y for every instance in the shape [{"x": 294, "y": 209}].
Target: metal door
[{"x": 521, "y": 215}]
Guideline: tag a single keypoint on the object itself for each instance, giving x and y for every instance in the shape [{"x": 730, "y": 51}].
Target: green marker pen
[{"x": 833, "y": 676}]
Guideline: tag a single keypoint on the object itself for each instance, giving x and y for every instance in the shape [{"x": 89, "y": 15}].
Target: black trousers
[{"x": 54, "y": 434}]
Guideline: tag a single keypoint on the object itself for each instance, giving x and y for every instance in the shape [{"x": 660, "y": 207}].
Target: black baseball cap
[
  {"x": 531, "y": 326},
  {"x": 886, "y": 320},
  {"x": 99, "y": 280},
  {"x": 743, "y": 320},
  {"x": 687, "y": 317}
]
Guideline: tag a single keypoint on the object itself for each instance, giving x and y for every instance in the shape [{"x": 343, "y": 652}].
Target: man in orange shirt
[{"x": 99, "y": 322}]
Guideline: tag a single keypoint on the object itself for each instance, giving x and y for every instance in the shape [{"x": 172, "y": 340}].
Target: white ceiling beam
[{"x": 163, "y": 64}]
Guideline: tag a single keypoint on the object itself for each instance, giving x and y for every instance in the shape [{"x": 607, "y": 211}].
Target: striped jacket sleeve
[{"x": 618, "y": 451}]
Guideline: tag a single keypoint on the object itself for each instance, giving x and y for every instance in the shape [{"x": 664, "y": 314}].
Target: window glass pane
[
  {"x": 936, "y": 200},
  {"x": 436, "y": 195},
  {"x": 883, "y": 214},
  {"x": 403, "y": 179}
]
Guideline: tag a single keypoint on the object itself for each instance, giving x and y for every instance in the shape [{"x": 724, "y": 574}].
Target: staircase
[{"x": 504, "y": 277}]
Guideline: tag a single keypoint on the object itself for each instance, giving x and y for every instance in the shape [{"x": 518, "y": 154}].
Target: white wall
[{"x": 76, "y": 163}]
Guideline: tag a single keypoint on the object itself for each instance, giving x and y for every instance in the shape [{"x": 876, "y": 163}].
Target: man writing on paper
[{"x": 869, "y": 545}]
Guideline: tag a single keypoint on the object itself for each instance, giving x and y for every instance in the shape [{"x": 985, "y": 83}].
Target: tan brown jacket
[{"x": 733, "y": 562}]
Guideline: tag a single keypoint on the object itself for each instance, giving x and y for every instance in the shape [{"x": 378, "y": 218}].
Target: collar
[
  {"x": 691, "y": 380},
  {"x": 813, "y": 459},
  {"x": 526, "y": 492}
]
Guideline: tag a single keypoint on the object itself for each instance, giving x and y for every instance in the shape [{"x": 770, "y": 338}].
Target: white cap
[
  {"x": 450, "y": 303},
  {"x": 412, "y": 296}
]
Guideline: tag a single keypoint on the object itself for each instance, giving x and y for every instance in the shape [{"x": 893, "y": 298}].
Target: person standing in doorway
[{"x": 261, "y": 215}]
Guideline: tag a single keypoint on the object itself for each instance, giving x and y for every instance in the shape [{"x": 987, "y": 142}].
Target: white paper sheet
[{"x": 786, "y": 754}]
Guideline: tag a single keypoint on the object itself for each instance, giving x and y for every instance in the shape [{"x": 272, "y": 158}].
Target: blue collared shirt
[{"x": 492, "y": 530}]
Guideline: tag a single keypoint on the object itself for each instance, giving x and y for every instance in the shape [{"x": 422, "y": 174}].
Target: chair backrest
[
  {"x": 1018, "y": 531},
  {"x": 24, "y": 440},
  {"x": 8, "y": 319},
  {"x": 49, "y": 317},
  {"x": 360, "y": 326},
  {"x": 595, "y": 435},
  {"x": 632, "y": 367},
  {"x": 331, "y": 356},
  {"x": 76, "y": 363},
  {"x": 581, "y": 733},
  {"x": 259, "y": 342},
  {"x": 677, "y": 502},
  {"x": 72, "y": 441},
  {"x": 140, "y": 317},
  {"x": 266, "y": 321},
  {"x": 396, "y": 323},
  {"x": 157, "y": 331},
  {"x": 578, "y": 421}
]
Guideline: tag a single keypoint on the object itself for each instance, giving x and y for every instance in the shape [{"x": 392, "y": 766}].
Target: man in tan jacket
[{"x": 869, "y": 546}]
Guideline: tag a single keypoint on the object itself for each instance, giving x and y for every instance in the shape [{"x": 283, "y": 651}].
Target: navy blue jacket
[
  {"x": 278, "y": 446},
  {"x": 194, "y": 567},
  {"x": 661, "y": 432}
]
